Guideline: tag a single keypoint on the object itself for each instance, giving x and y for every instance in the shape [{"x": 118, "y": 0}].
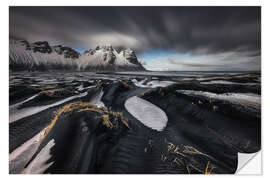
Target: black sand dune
[{"x": 95, "y": 133}]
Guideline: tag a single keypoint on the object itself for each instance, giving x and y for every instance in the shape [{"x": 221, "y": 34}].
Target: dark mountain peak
[
  {"x": 106, "y": 47},
  {"x": 45, "y": 47},
  {"x": 66, "y": 51},
  {"x": 90, "y": 51},
  {"x": 40, "y": 46},
  {"x": 130, "y": 55}
]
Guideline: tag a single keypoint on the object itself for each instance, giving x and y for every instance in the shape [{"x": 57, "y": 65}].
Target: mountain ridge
[{"x": 41, "y": 56}]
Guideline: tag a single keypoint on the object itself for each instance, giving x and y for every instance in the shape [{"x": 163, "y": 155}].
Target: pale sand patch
[
  {"x": 22, "y": 113},
  {"x": 39, "y": 165},
  {"x": 21, "y": 155}
]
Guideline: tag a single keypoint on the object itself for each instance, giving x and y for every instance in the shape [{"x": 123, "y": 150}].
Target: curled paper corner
[{"x": 249, "y": 163}]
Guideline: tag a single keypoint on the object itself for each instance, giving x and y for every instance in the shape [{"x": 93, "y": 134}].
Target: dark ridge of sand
[
  {"x": 25, "y": 128},
  {"x": 201, "y": 136},
  {"x": 236, "y": 127},
  {"x": 20, "y": 93},
  {"x": 49, "y": 96}
]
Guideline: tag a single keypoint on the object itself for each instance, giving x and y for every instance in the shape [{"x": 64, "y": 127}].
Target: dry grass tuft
[
  {"x": 67, "y": 108},
  {"x": 125, "y": 123},
  {"x": 125, "y": 84},
  {"x": 170, "y": 147},
  {"x": 178, "y": 161},
  {"x": 79, "y": 106},
  {"x": 106, "y": 121},
  {"x": 180, "y": 152},
  {"x": 209, "y": 168},
  {"x": 215, "y": 108},
  {"x": 55, "y": 92},
  {"x": 192, "y": 150},
  {"x": 145, "y": 92}
]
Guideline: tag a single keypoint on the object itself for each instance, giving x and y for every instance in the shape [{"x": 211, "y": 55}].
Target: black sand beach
[{"x": 104, "y": 123}]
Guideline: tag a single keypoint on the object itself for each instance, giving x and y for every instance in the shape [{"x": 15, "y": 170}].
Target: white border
[{"x": 4, "y": 72}]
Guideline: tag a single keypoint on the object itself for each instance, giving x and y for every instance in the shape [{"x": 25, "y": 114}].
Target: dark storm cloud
[{"x": 199, "y": 30}]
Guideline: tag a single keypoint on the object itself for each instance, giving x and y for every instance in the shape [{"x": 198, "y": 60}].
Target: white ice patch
[
  {"x": 21, "y": 155},
  {"x": 147, "y": 113},
  {"x": 227, "y": 82},
  {"x": 97, "y": 100},
  {"x": 217, "y": 76},
  {"x": 81, "y": 88},
  {"x": 152, "y": 84},
  {"x": 22, "y": 113},
  {"x": 39, "y": 165},
  {"x": 14, "y": 107},
  {"x": 248, "y": 99},
  {"x": 206, "y": 78},
  {"x": 258, "y": 80},
  {"x": 171, "y": 74}
]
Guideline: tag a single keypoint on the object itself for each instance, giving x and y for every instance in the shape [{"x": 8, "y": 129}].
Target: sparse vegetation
[
  {"x": 110, "y": 118},
  {"x": 179, "y": 154}
]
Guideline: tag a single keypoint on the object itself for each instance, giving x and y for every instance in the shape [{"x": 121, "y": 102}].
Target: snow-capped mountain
[
  {"x": 41, "y": 56},
  {"x": 107, "y": 58}
]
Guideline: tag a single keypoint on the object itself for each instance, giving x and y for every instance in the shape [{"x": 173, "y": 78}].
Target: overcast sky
[{"x": 165, "y": 38}]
